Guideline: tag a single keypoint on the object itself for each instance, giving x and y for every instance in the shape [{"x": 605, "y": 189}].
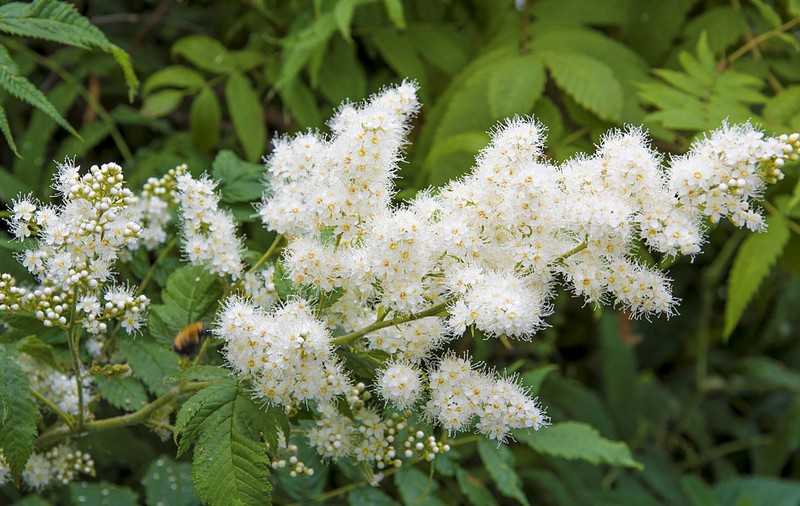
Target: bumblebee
[{"x": 188, "y": 339}]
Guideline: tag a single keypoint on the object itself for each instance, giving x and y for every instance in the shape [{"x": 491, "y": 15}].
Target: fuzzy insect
[{"x": 188, "y": 339}]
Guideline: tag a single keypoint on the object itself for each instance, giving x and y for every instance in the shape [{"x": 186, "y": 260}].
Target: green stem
[
  {"x": 577, "y": 249},
  {"x": 54, "y": 408},
  {"x": 58, "y": 433},
  {"x": 758, "y": 40},
  {"x": 349, "y": 338},
  {"x": 273, "y": 248},
  {"x": 152, "y": 271}
]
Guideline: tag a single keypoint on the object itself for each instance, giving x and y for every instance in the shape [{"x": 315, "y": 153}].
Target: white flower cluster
[
  {"x": 496, "y": 242},
  {"x": 287, "y": 352},
  {"x": 488, "y": 250},
  {"x": 153, "y": 208},
  {"x": 60, "y": 387},
  {"x": 59, "y": 466},
  {"x": 209, "y": 233},
  {"x": 78, "y": 244},
  {"x": 723, "y": 172},
  {"x": 120, "y": 303},
  {"x": 460, "y": 394},
  {"x": 343, "y": 181}
]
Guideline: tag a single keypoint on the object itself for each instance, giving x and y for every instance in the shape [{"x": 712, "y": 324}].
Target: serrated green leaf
[
  {"x": 38, "y": 349},
  {"x": 61, "y": 22},
  {"x": 6, "y": 129},
  {"x": 575, "y": 440},
  {"x": 499, "y": 463},
  {"x": 174, "y": 76},
  {"x": 247, "y": 114},
  {"x": 417, "y": 489},
  {"x": 195, "y": 411},
  {"x": 19, "y": 87},
  {"x": 101, "y": 494},
  {"x": 205, "y": 117},
  {"x": 161, "y": 103},
  {"x": 151, "y": 361},
  {"x": 241, "y": 181},
  {"x": 169, "y": 483},
  {"x": 756, "y": 256},
  {"x": 190, "y": 295},
  {"x": 18, "y": 413},
  {"x": 591, "y": 83},
  {"x": 474, "y": 489},
  {"x": 204, "y": 53},
  {"x": 230, "y": 465},
  {"x": 444, "y": 47},
  {"x": 516, "y": 84},
  {"x": 124, "y": 393}
]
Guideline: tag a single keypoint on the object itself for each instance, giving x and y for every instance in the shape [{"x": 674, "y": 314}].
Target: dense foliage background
[{"x": 708, "y": 402}]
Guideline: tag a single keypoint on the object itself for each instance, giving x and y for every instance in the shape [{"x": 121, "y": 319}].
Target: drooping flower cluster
[
  {"x": 460, "y": 394},
  {"x": 287, "y": 352},
  {"x": 77, "y": 245},
  {"x": 209, "y": 232},
  {"x": 58, "y": 466},
  {"x": 487, "y": 251}
]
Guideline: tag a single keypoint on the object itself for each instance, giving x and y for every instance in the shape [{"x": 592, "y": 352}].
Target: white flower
[{"x": 38, "y": 472}]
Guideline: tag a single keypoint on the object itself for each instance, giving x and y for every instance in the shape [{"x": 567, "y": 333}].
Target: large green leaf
[
  {"x": 474, "y": 489},
  {"x": 205, "y": 117},
  {"x": 18, "y": 413},
  {"x": 590, "y": 82},
  {"x": 123, "y": 393},
  {"x": 18, "y": 86},
  {"x": 230, "y": 464},
  {"x": 516, "y": 85},
  {"x": 499, "y": 463},
  {"x": 190, "y": 295},
  {"x": 240, "y": 181},
  {"x": 169, "y": 483},
  {"x": 756, "y": 256},
  {"x": 247, "y": 114},
  {"x": 59, "y": 21},
  {"x": 575, "y": 440},
  {"x": 417, "y": 489},
  {"x": 101, "y": 494},
  {"x": 151, "y": 361},
  {"x": 194, "y": 412},
  {"x": 205, "y": 53}
]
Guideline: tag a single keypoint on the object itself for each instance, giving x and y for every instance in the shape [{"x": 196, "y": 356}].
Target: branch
[
  {"x": 57, "y": 433},
  {"x": 54, "y": 408},
  {"x": 349, "y": 338},
  {"x": 273, "y": 248}
]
